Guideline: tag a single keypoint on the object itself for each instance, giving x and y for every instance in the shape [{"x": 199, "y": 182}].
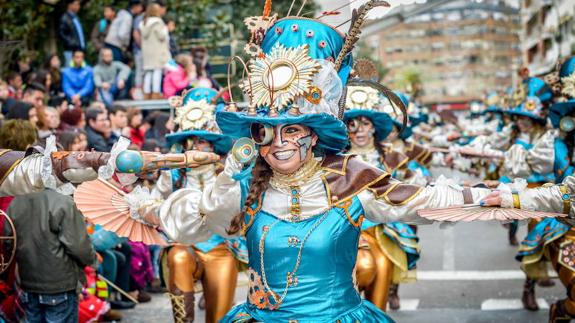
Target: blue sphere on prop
[{"x": 129, "y": 161}]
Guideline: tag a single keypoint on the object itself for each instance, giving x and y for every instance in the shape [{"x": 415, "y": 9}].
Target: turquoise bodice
[{"x": 314, "y": 259}]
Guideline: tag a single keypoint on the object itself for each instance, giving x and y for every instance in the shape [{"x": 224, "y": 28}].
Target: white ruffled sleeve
[
  {"x": 520, "y": 162},
  {"x": 25, "y": 178},
  {"x": 545, "y": 199},
  {"x": 181, "y": 219},
  {"x": 444, "y": 193},
  {"x": 221, "y": 202}
]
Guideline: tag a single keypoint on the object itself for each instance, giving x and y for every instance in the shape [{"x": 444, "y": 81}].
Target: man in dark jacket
[
  {"x": 71, "y": 31},
  {"x": 97, "y": 130},
  {"x": 52, "y": 250}
]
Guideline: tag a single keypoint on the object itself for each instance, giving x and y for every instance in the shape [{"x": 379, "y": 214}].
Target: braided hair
[{"x": 261, "y": 174}]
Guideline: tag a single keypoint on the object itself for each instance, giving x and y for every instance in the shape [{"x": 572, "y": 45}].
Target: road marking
[
  {"x": 473, "y": 275},
  {"x": 449, "y": 248},
  {"x": 408, "y": 304},
  {"x": 497, "y": 304}
]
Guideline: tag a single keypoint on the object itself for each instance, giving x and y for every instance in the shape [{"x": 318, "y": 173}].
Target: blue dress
[{"x": 304, "y": 271}]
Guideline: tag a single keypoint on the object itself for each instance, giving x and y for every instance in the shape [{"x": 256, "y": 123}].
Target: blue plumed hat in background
[
  {"x": 195, "y": 117},
  {"x": 296, "y": 75},
  {"x": 534, "y": 95},
  {"x": 559, "y": 111}
]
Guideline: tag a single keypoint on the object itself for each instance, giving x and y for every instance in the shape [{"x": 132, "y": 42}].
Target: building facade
[
  {"x": 548, "y": 33},
  {"x": 460, "y": 48}
]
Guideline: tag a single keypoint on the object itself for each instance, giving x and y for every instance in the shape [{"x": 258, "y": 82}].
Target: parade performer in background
[
  {"x": 550, "y": 237},
  {"x": 214, "y": 262},
  {"x": 387, "y": 252}
]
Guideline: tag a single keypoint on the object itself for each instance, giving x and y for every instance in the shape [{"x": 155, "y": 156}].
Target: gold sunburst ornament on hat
[
  {"x": 280, "y": 76},
  {"x": 568, "y": 85},
  {"x": 194, "y": 115},
  {"x": 362, "y": 97}
]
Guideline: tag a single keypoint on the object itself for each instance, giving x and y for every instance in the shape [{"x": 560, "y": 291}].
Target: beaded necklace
[{"x": 291, "y": 276}]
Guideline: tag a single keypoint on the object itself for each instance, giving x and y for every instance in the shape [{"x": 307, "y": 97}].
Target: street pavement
[{"x": 467, "y": 274}]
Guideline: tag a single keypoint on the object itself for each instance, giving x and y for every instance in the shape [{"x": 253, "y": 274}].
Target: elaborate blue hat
[
  {"x": 365, "y": 101},
  {"x": 195, "y": 117},
  {"x": 492, "y": 102},
  {"x": 562, "y": 109},
  {"x": 296, "y": 75},
  {"x": 536, "y": 94}
]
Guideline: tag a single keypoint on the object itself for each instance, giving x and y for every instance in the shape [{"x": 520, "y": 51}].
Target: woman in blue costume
[
  {"x": 550, "y": 236},
  {"x": 418, "y": 156},
  {"x": 303, "y": 209},
  {"x": 388, "y": 252},
  {"x": 302, "y": 212},
  {"x": 214, "y": 262}
]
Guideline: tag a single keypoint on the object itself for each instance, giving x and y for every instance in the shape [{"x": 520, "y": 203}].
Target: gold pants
[
  {"x": 216, "y": 269},
  {"x": 566, "y": 275},
  {"x": 374, "y": 271}
]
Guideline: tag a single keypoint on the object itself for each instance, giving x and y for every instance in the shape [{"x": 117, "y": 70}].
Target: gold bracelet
[
  {"x": 516, "y": 200},
  {"x": 566, "y": 197}
]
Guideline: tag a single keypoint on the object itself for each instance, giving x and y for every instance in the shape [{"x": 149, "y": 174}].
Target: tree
[
  {"x": 410, "y": 80},
  {"x": 363, "y": 50}
]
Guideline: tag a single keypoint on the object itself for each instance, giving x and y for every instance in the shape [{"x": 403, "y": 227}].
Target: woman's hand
[{"x": 493, "y": 199}]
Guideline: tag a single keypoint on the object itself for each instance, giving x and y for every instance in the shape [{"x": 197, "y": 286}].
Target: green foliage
[
  {"x": 213, "y": 20},
  {"x": 410, "y": 80},
  {"x": 23, "y": 20}
]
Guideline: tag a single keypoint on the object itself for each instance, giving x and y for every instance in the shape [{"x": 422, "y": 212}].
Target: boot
[
  {"x": 512, "y": 231},
  {"x": 558, "y": 314},
  {"x": 528, "y": 298},
  {"x": 182, "y": 307},
  {"x": 202, "y": 303},
  {"x": 147, "y": 96},
  {"x": 545, "y": 283},
  {"x": 393, "y": 298},
  {"x": 157, "y": 96},
  {"x": 112, "y": 316}
]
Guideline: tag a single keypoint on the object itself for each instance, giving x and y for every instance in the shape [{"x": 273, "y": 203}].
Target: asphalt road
[{"x": 467, "y": 273}]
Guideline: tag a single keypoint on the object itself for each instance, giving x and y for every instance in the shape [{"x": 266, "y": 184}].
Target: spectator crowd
[{"x": 77, "y": 101}]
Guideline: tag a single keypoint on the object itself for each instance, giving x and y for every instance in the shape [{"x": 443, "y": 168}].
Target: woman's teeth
[{"x": 284, "y": 155}]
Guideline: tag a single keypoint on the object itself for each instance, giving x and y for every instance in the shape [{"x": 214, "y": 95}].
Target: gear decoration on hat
[
  {"x": 362, "y": 97},
  {"x": 365, "y": 69},
  {"x": 277, "y": 78},
  {"x": 195, "y": 115},
  {"x": 568, "y": 83},
  {"x": 257, "y": 26},
  {"x": 520, "y": 94}
]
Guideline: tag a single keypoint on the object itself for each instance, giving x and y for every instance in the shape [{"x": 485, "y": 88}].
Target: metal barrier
[{"x": 156, "y": 104}]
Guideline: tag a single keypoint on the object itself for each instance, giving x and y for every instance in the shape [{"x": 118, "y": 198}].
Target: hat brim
[
  {"x": 492, "y": 109},
  {"x": 407, "y": 130},
  {"x": 331, "y": 132},
  {"x": 382, "y": 122},
  {"x": 222, "y": 143},
  {"x": 559, "y": 110},
  {"x": 522, "y": 113}
]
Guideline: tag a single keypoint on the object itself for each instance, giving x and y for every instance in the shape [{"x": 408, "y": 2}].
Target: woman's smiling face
[{"x": 287, "y": 147}]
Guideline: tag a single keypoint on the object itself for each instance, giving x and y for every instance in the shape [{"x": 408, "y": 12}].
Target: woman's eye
[{"x": 291, "y": 130}]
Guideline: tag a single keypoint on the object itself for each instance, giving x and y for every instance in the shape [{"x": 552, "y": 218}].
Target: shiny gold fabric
[
  {"x": 219, "y": 279},
  {"x": 374, "y": 272},
  {"x": 566, "y": 275},
  {"x": 217, "y": 270}
]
